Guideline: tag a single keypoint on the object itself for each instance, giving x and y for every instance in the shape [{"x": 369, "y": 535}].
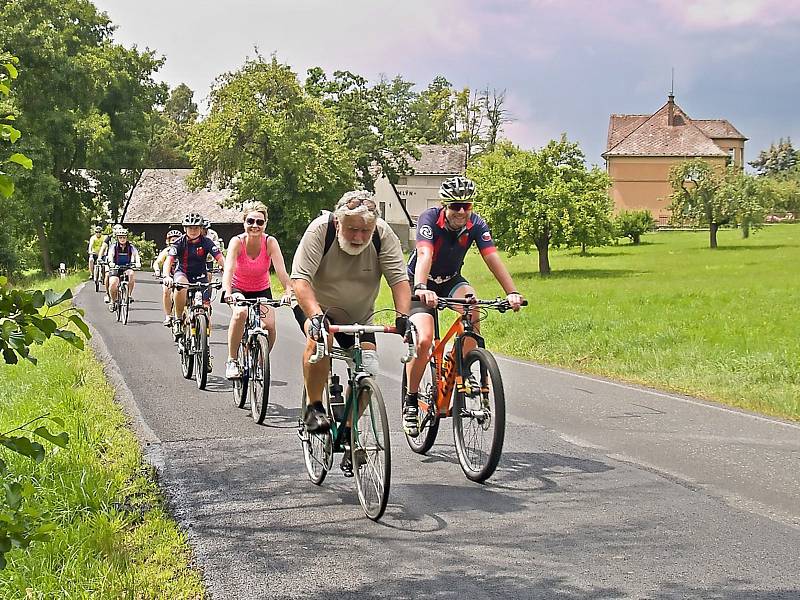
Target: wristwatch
[{"x": 420, "y": 286}]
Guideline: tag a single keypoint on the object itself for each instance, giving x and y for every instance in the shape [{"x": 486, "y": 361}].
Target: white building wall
[{"x": 419, "y": 193}]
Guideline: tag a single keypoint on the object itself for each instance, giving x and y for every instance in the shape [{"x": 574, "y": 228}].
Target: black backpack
[{"x": 330, "y": 236}]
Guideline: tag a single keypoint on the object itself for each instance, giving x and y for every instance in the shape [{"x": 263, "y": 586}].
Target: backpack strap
[{"x": 330, "y": 236}]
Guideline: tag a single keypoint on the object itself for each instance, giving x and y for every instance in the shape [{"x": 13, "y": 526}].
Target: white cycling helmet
[
  {"x": 193, "y": 219},
  {"x": 457, "y": 189}
]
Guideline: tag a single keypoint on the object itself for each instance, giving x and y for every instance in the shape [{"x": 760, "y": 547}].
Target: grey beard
[{"x": 351, "y": 249}]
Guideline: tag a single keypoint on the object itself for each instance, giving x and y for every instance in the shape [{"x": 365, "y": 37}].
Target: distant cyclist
[
  {"x": 166, "y": 294},
  {"x": 188, "y": 257},
  {"x": 247, "y": 276},
  {"x": 122, "y": 258},
  {"x": 95, "y": 243},
  {"x": 444, "y": 235},
  {"x": 108, "y": 240}
]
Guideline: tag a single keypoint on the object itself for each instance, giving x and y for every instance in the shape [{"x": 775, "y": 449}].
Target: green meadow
[{"x": 670, "y": 313}]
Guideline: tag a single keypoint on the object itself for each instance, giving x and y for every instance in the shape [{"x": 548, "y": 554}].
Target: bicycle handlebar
[
  {"x": 499, "y": 304},
  {"x": 261, "y": 301},
  {"x": 356, "y": 328}
]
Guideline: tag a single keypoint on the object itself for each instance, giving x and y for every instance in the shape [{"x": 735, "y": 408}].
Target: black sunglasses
[
  {"x": 459, "y": 206},
  {"x": 259, "y": 222}
]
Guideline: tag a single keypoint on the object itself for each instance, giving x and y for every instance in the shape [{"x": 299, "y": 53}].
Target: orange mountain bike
[{"x": 468, "y": 388}]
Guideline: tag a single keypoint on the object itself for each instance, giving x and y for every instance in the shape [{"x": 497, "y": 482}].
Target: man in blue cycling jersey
[
  {"x": 444, "y": 235},
  {"x": 188, "y": 255}
]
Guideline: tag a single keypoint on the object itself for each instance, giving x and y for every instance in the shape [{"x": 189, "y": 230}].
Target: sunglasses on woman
[
  {"x": 459, "y": 206},
  {"x": 251, "y": 221}
]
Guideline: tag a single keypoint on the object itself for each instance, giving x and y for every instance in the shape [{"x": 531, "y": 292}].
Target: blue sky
[{"x": 566, "y": 65}]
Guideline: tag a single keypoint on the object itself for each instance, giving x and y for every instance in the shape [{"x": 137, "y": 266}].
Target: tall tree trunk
[
  {"x": 712, "y": 232},
  {"x": 44, "y": 247},
  {"x": 542, "y": 246},
  {"x": 583, "y": 249},
  {"x": 746, "y": 229}
]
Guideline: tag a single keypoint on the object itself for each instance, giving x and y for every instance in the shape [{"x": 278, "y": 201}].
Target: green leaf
[
  {"x": 21, "y": 159},
  {"x": 24, "y": 446},
  {"x": 12, "y": 70},
  {"x": 80, "y": 324},
  {"x": 6, "y": 185},
  {"x": 10, "y": 357},
  {"x": 4, "y": 89},
  {"x": 13, "y": 494},
  {"x": 61, "y": 440},
  {"x": 10, "y": 118},
  {"x": 54, "y": 298},
  {"x": 70, "y": 337},
  {"x": 38, "y": 299},
  {"x": 57, "y": 420}
]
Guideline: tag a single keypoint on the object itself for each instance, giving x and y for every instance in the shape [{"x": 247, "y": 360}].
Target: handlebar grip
[{"x": 319, "y": 354}]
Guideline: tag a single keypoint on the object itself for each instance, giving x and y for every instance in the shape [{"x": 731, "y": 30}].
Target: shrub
[{"x": 634, "y": 224}]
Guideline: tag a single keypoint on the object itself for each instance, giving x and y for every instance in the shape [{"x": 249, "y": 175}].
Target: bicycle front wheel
[
  {"x": 372, "y": 454},
  {"x": 317, "y": 448},
  {"x": 201, "y": 351},
  {"x": 259, "y": 378},
  {"x": 96, "y": 278},
  {"x": 479, "y": 416},
  {"x": 126, "y": 306},
  {"x": 118, "y": 305},
  {"x": 428, "y": 411}
]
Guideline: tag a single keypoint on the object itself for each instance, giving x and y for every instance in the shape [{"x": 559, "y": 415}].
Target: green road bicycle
[{"x": 359, "y": 425}]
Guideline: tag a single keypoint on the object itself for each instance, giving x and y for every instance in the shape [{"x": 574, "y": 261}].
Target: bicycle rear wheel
[
  {"x": 479, "y": 416},
  {"x": 201, "y": 351},
  {"x": 372, "y": 454},
  {"x": 259, "y": 378},
  {"x": 317, "y": 448},
  {"x": 428, "y": 410},
  {"x": 96, "y": 277}
]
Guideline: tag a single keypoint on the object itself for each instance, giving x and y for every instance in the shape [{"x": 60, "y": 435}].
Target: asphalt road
[{"x": 605, "y": 490}]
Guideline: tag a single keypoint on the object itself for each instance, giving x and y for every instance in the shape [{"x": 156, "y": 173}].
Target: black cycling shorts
[
  {"x": 345, "y": 340},
  {"x": 267, "y": 293},
  {"x": 443, "y": 290}
]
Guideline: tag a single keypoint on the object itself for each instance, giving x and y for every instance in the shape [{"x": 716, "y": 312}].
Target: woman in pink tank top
[{"x": 246, "y": 275}]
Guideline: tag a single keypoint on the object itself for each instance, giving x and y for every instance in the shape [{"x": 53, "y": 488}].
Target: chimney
[{"x": 670, "y": 110}]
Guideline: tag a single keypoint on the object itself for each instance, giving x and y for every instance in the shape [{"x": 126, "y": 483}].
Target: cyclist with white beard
[{"x": 336, "y": 277}]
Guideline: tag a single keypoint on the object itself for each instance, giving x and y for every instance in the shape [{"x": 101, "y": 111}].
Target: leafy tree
[
  {"x": 84, "y": 105},
  {"x": 749, "y": 196},
  {"x": 265, "y": 138},
  {"x": 696, "y": 198},
  {"x": 779, "y": 158},
  {"x": 534, "y": 199},
  {"x": 591, "y": 222},
  {"x": 171, "y": 130},
  {"x": 376, "y": 120},
  {"x": 634, "y": 224},
  {"x": 434, "y": 116}
]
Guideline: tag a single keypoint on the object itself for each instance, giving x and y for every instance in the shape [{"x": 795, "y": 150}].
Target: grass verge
[
  {"x": 670, "y": 313},
  {"x": 114, "y": 537}
]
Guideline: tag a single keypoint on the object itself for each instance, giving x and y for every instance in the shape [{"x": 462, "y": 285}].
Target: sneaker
[
  {"x": 472, "y": 399},
  {"x": 347, "y": 463},
  {"x": 411, "y": 420},
  {"x": 130, "y": 298},
  {"x": 232, "y": 370},
  {"x": 167, "y": 321},
  {"x": 316, "y": 421},
  {"x": 106, "y": 299},
  {"x": 111, "y": 308}
]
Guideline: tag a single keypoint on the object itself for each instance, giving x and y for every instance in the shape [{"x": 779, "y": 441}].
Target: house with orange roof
[{"x": 641, "y": 149}]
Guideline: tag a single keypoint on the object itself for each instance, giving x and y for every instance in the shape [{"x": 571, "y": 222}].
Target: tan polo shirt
[{"x": 344, "y": 284}]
